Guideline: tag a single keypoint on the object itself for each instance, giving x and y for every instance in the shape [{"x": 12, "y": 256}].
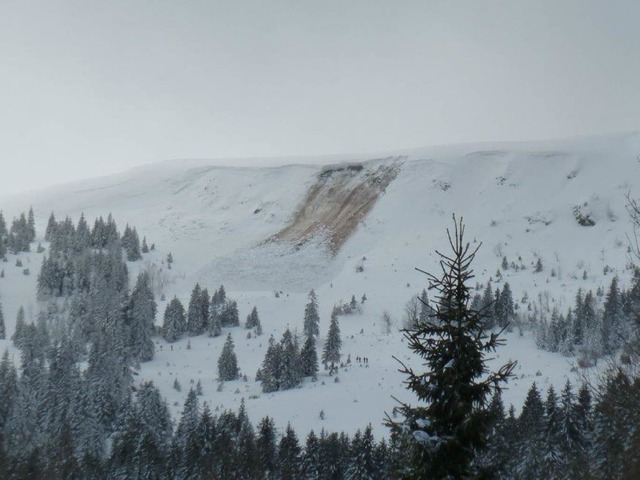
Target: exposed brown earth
[{"x": 335, "y": 204}]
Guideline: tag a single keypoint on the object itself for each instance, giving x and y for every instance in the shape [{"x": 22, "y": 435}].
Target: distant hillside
[{"x": 354, "y": 228}]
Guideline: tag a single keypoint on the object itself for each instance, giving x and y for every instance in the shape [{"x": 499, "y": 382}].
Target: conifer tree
[
  {"x": 253, "y": 320},
  {"x": 494, "y": 459},
  {"x": 571, "y": 441},
  {"x": 31, "y": 225},
  {"x": 207, "y": 430},
  {"x": 578, "y": 328},
  {"x": 215, "y": 326},
  {"x": 83, "y": 235},
  {"x": 187, "y": 437},
  {"x": 507, "y": 310},
  {"x": 227, "y": 362},
  {"x": 247, "y": 461},
  {"x": 332, "y": 344},
  {"x": 363, "y": 459},
  {"x": 8, "y": 396},
  {"x": 204, "y": 305},
  {"x": 531, "y": 441},
  {"x": 229, "y": 316},
  {"x": 425, "y": 309},
  {"x": 612, "y": 421},
  {"x": 309, "y": 357},
  {"x": 353, "y": 304},
  {"x": 19, "y": 329},
  {"x": 554, "y": 464},
  {"x": 311, "y": 317},
  {"x": 445, "y": 433},
  {"x": 3, "y": 236},
  {"x": 218, "y": 300},
  {"x": 3, "y": 331},
  {"x": 333, "y": 453},
  {"x": 131, "y": 244},
  {"x": 487, "y": 306},
  {"x": 227, "y": 434},
  {"x": 195, "y": 320},
  {"x": 267, "y": 448},
  {"x": 141, "y": 317},
  {"x": 311, "y": 456},
  {"x": 174, "y": 325},
  {"x": 290, "y": 374},
  {"x": 612, "y": 319},
  {"x": 289, "y": 452},
  {"x": 271, "y": 370}
]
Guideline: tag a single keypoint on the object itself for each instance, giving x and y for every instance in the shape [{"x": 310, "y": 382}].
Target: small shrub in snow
[
  {"x": 582, "y": 216},
  {"x": 176, "y": 385},
  {"x": 538, "y": 267}
]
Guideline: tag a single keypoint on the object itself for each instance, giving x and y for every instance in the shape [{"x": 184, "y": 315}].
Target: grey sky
[{"x": 88, "y": 87}]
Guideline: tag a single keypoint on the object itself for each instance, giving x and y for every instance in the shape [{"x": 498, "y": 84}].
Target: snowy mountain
[{"x": 354, "y": 225}]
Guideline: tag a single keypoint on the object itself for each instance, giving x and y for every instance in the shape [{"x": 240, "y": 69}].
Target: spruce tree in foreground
[{"x": 441, "y": 437}]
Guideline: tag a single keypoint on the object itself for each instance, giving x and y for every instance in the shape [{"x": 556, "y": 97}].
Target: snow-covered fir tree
[
  {"x": 141, "y": 314},
  {"x": 271, "y": 369},
  {"x": 228, "y": 362},
  {"x": 332, "y": 344},
  {"x": 229, "y": 316},
  {"x": 289, "y": 453},
  {"x": 253, "y": 320},
  {"x": 174, "y": 325},
  {"x": 3, "y": 330},
  {"x": 311, "y": 324},
  {"x": 197, "y": 316},
  {"x": 291, "y": 368},
  {"x": 441, "y": 436},
  {"x": 309, "y": 357}
]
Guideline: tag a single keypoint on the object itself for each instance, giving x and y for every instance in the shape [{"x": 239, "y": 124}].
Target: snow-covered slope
[{"x": 222, "y": 225}]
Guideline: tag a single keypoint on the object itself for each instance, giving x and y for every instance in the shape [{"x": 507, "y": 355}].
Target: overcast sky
[{"x": 94, "y": 87}]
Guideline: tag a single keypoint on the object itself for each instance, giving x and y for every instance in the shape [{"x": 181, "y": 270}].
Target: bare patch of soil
[{"x": 336, "y": 203}]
